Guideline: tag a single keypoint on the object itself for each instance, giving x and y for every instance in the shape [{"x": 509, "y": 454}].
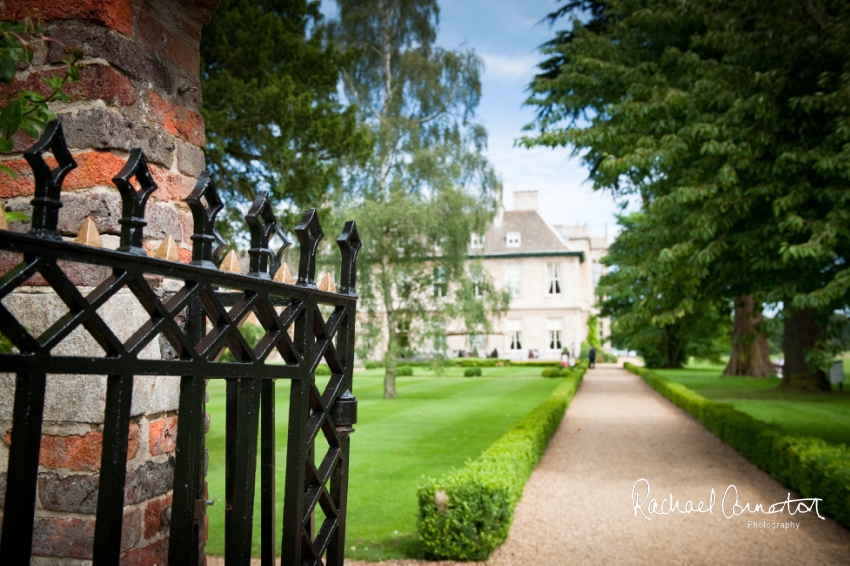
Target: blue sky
[{"x": 506, "y": 34}]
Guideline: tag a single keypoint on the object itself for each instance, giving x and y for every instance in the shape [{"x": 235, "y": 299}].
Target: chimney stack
[{"x": 525, "y": 200}]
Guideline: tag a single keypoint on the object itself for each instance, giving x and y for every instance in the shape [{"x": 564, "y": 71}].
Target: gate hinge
[{"x": 344, "y": 413}]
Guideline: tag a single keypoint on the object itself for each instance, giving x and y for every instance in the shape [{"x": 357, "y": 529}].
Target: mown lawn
[
  {"x": 825, "y": 415},
  {"x": 437, "y": 423}
]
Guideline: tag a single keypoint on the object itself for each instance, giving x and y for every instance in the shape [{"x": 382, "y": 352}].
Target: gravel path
[{"x": 577, "y": 506}]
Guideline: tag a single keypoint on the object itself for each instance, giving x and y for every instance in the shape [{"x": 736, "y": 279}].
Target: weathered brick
[
  {"x": 94, "y": 169},
  {"x": 131, "y": 529},
  {"x": 162, "y": 221},
  {"x": 172, "y": 186},
  {"x": 185, "y": 255},
  {"x": 2, "y": 489},
  {"x": 147, "y": 481},
  {"x": 153, "y": 516},
  {"x": 74, "y": 538},
  {"x": 72, "y": 452},
  {"x": 103, "y": 208},
  {"x": 118, "y": 50},
  {"x": 177, "y": 120},
  {"x": 73, "y": 494},
  {"x": 54, "y": 536},
  {"x": 116, "y": 14},
  {"x": 154, "y": 554},
  {"x": 190, "y": 159},
  {"x": 76, "y": 452},
  {"x": 100, "y": 128},
  {"x": 162, "y": 436},
  {"x": 97, "y": 82},
  {"x": 187, "y": 224},
  {"x": 184, "y": 53}
]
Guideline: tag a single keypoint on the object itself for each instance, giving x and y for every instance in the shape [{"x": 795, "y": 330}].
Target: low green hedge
[
  {"x": 472, "y": 372},
  {"x": 581, "y": 366},
  {"x": 480, "y": 362},
  {"x": 466, "y": 513},
  {"x": 403, "y": 371},
  {"x": 811, "y": 466}
]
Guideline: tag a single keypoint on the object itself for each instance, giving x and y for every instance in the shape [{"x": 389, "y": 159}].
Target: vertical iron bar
[
  {"x": 113, "y": 469},
  {"x": 231, "y": 404},
  {"x": 22, "y": 475},
  {"x": 267, "y": 471},
  {"x": 339, "y": 478},
  {"x": 339, "y": 494},
  {"x": 297, "y": 449},
  {"x": 186, "y": 535},
  {"x": 237, "y": 542}
]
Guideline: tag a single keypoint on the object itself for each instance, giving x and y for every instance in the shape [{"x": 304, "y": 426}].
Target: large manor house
[{"x": 551, "y": 273}]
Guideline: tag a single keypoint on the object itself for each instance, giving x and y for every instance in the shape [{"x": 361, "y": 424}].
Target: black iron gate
[{"x": 212, "y": 317}]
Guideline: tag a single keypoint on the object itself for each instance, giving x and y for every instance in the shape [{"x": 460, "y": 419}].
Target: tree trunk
[
  {"x": 389, "y": 374},
  {"x": 391, "y": 355},
  {"x": 750, "y": 353},
  {"x": 802, "y": 331}
]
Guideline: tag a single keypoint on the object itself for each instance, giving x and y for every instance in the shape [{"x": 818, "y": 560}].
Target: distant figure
[
  {"x": 565, "y": 359},
  {"x": 592, "y": 357},
  {"x": 572, "y": 361}
]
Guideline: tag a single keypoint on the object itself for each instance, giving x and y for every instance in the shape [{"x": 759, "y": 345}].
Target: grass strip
[
  {"x": 811, "y": 466},
  {"x": 466, "y": 513}
]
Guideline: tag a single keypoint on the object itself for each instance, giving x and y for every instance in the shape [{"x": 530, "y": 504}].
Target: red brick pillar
[{"x": 140, "y": 88}]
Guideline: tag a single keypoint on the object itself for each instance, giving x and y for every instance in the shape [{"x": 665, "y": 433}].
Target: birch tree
[{"x": 427, "y": 186}]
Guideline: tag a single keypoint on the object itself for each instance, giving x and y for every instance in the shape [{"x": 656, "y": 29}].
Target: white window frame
[
  {"x": 440, "y": 286},
  {"x": 554, "y": 283},
  {"x": 513, "y": 239},
  {"x": 477, "y": 241},
  {"x": 513, "y": 279},
  {"x": 555, "y": 334},
  {"x": 515, "y": 335}
]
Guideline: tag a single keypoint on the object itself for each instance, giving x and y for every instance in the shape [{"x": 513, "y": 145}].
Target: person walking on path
[{"x": 592, "y": 357}]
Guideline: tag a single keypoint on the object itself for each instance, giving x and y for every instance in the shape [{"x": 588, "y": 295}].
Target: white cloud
[
  {"x": 565, "y": 195},
  {"x": 510, "y": 68}
]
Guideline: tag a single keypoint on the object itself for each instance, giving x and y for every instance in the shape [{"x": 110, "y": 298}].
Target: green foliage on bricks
[
  {"x": 472, "y": 372},
  {"x": 466, "y": 513},
  {"x": 811, "y": 466}
]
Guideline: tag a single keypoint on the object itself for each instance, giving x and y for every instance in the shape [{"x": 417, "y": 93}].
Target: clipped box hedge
[
  {"x": 811, "y": 466},
  {"x": 466, "y": 513}
]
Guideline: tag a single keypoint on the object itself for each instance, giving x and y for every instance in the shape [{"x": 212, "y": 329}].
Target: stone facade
[
  {"x": 139, "y": 87},
  {"x": 551, "y": 273}
]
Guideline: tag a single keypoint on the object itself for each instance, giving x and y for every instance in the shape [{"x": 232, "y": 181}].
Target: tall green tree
[
  {"x": 273, "y": 115},
  {"x": 728, "y": 121},
  {"x": 426, "y": 187},
  {"x": 653, "y": 308}
]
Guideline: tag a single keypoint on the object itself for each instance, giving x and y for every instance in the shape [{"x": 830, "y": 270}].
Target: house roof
[{"x": 536, "y": 238}]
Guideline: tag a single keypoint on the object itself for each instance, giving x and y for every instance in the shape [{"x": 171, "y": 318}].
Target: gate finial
[
  {"x": 309, "y": 234},
  {"x": 133, "y": 202},
  {"x": 48, "y": 182},
  {"x": 203, "y": 215},
  {"x": 264, "y": 227},
  {"x": 349, "y": 244}
]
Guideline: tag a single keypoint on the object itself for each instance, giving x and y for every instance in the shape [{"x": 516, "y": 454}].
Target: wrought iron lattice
[{"x": 212, "y": 318}]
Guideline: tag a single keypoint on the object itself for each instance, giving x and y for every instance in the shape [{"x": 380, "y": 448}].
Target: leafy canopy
[
  {"x": 273, "y": 115},
  {"x": 426, "y": 186},
  {"x": 728, "y": 120}
]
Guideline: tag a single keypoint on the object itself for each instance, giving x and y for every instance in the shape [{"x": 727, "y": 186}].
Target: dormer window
[
  {"x": 514, "y": 239},
  {"x": 477, "y": 241}
]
